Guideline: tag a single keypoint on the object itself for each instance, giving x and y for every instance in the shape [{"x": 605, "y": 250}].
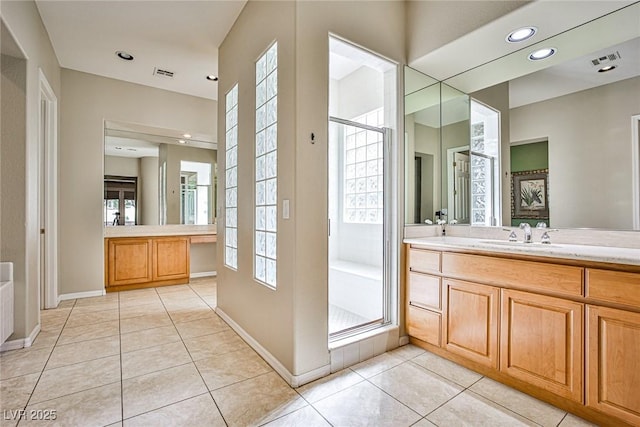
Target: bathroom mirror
[
  {"x": 575, "y": 125},
  {"x": 158, "y": 176},
  {"x": 422, "y": 147}
]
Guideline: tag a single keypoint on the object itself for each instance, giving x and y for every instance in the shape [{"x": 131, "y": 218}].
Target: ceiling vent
[
  {"x": 605, "y": 59},
  {"x": 162, "y": 73}
]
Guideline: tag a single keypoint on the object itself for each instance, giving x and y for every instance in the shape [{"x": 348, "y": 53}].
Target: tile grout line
[
  {"x": 45, "y": 364},
  {"x": 193, "y": 362},
  {"x": 453, "y": 397}
]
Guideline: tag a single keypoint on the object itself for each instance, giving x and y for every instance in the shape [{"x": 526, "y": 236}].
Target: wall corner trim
[
  {"x": 21, "y": 342},
  {"x": 293, "y": 380}
]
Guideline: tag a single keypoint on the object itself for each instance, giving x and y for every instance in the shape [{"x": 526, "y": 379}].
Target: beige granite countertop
[
  {"x": 159, "y": 230},
  {"x": 603, "y": 254}
]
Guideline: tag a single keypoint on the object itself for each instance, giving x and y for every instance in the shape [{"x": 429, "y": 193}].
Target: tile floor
[{"x": 162, "y": 356}]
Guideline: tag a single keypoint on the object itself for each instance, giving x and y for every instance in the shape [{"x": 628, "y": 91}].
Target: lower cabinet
[
  {"x": 541, "y": 342},
  {"x": 471, "y": 325},
  {"x": 613, "y": 362},
  {"x": 146, "y": 261}
]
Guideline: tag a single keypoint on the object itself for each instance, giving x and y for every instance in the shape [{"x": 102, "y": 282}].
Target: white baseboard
[
  {"x": 404, "y": 340},
  {"x": 77, "y": 295},
  {"x": 21, "y": 342},
  {"x": 203, "y": 274},
  {"x": 293, "y": 380}
]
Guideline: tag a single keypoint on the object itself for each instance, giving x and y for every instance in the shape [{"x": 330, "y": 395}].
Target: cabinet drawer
[
  {"x": 424, "y": 261},
  {"x": 424, "y": 290},
  {"x": 613, "y": 286},
  {"x": 531, "y": 275},
  {"x": 424, "y": 325}
]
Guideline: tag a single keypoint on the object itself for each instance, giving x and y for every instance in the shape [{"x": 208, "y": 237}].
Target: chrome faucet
[{"x": 527, "y": 232}]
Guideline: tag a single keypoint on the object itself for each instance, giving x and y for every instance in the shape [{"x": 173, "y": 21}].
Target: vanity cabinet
[
  {"x": 135, "y": 262},
  {"x": 541, "y": 341},
  {"x": 471, "y": 321},
  {"x": 565, "y": 331}
]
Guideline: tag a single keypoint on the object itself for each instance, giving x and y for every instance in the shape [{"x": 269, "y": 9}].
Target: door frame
[
  {"x": 48, "y": 193},
  {"x": 635, "y": 159},
  {"x": 451, "y": 178}
]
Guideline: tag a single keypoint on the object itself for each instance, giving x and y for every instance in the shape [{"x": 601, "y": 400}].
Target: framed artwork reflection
[{"x": 530, "y": 195}]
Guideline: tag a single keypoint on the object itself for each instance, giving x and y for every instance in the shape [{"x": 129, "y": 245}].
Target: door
[{"x": 358, "y": 242}]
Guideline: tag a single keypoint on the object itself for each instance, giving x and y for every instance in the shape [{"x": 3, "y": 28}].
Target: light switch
[{"x": 285, "y": 209}]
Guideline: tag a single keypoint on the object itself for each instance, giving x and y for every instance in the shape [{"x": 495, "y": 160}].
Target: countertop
[
  {"x": 603, "y": 254},
  {"x": 159, "y": 230}
]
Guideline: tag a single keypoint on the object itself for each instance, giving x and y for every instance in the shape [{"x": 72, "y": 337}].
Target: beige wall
[
  {"x": 589, "y": 133},
  {"x": 291, "y": 322},
  {"x": 23, "y": 22},
  {"x": 149, "y": 191},
  {"x": 267, "y": 315},
  {"x": 13, "y": 86},
  {"x": 89, "y": 100}
]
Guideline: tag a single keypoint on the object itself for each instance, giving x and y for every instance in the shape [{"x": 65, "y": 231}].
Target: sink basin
[{"x": 520, "y": 244}]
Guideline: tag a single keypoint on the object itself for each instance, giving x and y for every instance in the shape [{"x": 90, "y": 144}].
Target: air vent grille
[
  {"x": 163, "y": 73},
  {"x": 605, "y": 59}
]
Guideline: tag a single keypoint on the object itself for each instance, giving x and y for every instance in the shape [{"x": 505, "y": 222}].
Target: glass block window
[
  {"x": 266, "y": 219},
  {"x": 363, "y": 171},
  {"x": 231, "y": 180}
]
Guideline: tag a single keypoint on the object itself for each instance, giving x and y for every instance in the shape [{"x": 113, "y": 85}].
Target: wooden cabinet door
[
  {"x": 541, "y": 342},
  {"x": 471, "y": 325},
  {"x": 170, "y": 258},
  {"x": 613, "y": 362},
  {"x": 129, "y": 261}
]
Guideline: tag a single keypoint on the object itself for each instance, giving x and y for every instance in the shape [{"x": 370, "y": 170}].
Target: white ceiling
[{"x": 181, "y": 36}]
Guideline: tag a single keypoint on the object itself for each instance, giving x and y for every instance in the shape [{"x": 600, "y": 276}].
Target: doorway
[
  {"x": 362, "y": 111},
  {"x": 48, "y": 194}
]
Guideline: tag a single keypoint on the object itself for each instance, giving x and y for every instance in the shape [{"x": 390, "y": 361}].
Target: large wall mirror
[
  {"x": 552, "y": 141},
  {"x": 158, "y": 176}
]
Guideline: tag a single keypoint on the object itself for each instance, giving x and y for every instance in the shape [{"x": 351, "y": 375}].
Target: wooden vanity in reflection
[
  {"x": 134, "y": 261},
  {"x": 563, "y": 330}
]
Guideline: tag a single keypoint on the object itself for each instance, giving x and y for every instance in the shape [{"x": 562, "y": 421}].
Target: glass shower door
[{"x": 357, "y": 235}]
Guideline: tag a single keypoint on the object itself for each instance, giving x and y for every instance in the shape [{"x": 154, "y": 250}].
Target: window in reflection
[
  {"x": 195, "y": 192},
  {"x": 119, "y": 204},
  {"x": 485, "y": 162}
]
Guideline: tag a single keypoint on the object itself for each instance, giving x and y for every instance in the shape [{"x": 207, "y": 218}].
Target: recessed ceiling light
[
  {"x": 521, "y": 34},
  {"x": 182, "y": 141},
  {"x": 212, "y": 78},
  {"x": 607, "y": 68},
  {"x": 124, "y": 55},
  {"x": 542, "y": 53},
  {"x": 187, "y": 135}
]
